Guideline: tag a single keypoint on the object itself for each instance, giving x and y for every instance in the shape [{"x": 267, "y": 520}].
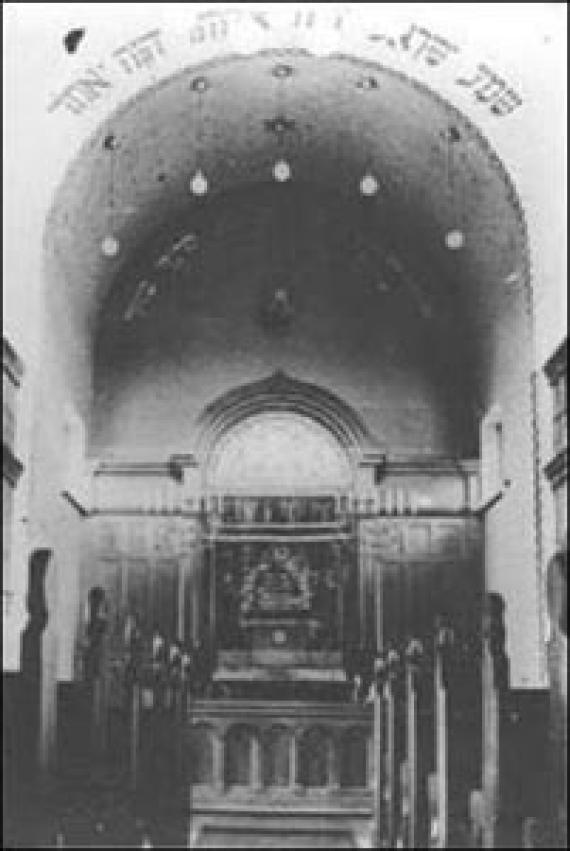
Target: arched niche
[
  {"x": 314, "y": 749},
  {"x": 238, "y": 756},
  {"x": 278, "y": 453},
  {"x": 276, "y": 751},
  {"x": 353, "y": 763},
  {"x": 201, "y": 767},
  {"x": 280, "y": 436}
]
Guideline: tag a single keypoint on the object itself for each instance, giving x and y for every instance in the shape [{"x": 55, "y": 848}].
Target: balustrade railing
[
  {"x": 153, "y": 489},
  {"x": 241, "y": 747},
  {"x": 265, "y": 510}
]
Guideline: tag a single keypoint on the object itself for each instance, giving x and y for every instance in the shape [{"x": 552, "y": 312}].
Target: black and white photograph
[{"x": 284, "y": 425}]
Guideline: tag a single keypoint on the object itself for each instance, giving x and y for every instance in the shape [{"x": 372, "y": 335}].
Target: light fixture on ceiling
[
  {"x": 368, "y": 185},
  {"x": 367, "y": 83},
  {"x": 110, "y": 246},
  {"x": 110, "y": 243},
  {"x": 110, "y": 142},
  {"x": 200, "y": 84},
  {"x": 281, "y": 125},
  {"x": 455, "y": 239},
  {"x": 276, "y": 315},
  {"x": 281, "y": 171},
  {"x": 199, "y": 183},
  {"x": 282, "y": 71},
  {"x": 512, "y": 279},
  {"x": 451, "y": 134}
]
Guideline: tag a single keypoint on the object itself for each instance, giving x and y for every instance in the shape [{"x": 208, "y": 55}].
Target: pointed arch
[{"x": 280, "y": 392}]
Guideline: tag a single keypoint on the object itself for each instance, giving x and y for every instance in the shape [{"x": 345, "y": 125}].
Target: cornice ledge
[
  {"x": 11, "y": 363},
  {"x": 557, "y": 468},
  {"x": 12, "y": 466},
  {"x": 432, "y": 465},
  {"x": 132, "y": 468},
  {"x": 557, "y": 363}
]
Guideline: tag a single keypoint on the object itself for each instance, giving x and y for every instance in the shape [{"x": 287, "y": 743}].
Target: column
[
  {"x": 293, "y": 785},
  {"x": 377, "y": 784},
  {"x": 256, "y": 767},
  {"x": 194, "y": 560},
  {"x": 183, "y": 572},
  {"x": 392, "y": 671},
  {"x": 495, "y": 679},
  {"x": 443, "y": 640},
  {"x": 218, "y": 761},
  {"x": 196, "y": 589},
  {"x": 333, "y": 748},
  {"x": 135, "y": 734},
  {"x": 363, "y": 569},
  {"x": 413, "y": 653},
  {"x": 379, "y": 569},
  {"x": 99, "y": 715},
  {"x": 212, "y": 624}
]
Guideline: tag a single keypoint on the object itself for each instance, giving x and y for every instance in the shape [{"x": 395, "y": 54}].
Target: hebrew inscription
[{"x": 416, "y": 44}]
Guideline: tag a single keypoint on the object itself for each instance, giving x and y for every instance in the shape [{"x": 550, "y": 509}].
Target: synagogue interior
[{"x": 284, "y": 426}]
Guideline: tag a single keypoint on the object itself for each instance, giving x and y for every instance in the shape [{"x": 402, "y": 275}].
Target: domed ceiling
[{"x": 435, "y": 211}]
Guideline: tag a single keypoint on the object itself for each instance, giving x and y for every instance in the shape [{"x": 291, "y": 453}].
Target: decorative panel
[
  {"x": 238, "y": 756},
  {"x": 137, "y": 488},
  {"x": 286, "y": 594},
  {"x": 189, "y": 534},
  {"x": 166, "y": 536},
  {"x": 276, "y": 751},
  {"x": 313, "y": 758},
  {"x": 108, "y": 534},
  {"x": 137, "y": 537},
  {"x": 390, "y": 572},
  {"x": 353, "y": 765},
  {"x": 447, "y": 539},
  {"x": 417, "y": 539},
  {"x": 139, "y": 590},
  {"x": 202, "y": 755},
  {"x": 165, "y": 596},
  {"x": 286, "y": 455},
  {"x": 389, "y": 538},
  {"x": 109, "y": 576},
  {"x": 192, "y": 567},
  {"x": 412, "y": 570}
]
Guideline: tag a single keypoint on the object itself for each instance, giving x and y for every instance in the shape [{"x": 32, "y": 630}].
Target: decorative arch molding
[{"x": 281, "y": 393}]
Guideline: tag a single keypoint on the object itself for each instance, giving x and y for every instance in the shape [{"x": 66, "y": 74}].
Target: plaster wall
[
  {"x": 52, "y": 520},
  {"x": 204, "y": 335},
  {"x": 513, "y": 531}
]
